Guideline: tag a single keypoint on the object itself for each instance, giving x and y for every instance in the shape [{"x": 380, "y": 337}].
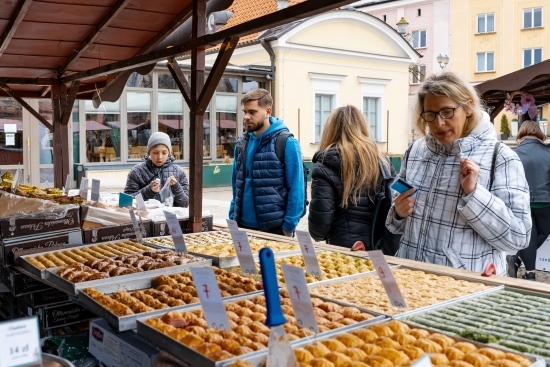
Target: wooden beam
[
  {"x": 28, "y": 81},
  {"x": 84, "y": 45},
  {"x": 196, "y": 127},
  {"x": 180, "y": 79},
  {"x": 26, "y": 106},
  {"x": 496, "y": 110},
  {"x": 60, "y": 136},
  {"x": 91, "y": 87},
  {"x": 224, "y": 55},
  {"x": 68, "y": 110},
  {"x": 292, "y": 13},
  {"x": 44, "y": 92},
  {"x": 19, "y": 14}
]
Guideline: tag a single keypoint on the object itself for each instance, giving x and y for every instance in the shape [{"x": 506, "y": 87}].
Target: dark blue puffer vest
[{"x": 268, "y": 182}]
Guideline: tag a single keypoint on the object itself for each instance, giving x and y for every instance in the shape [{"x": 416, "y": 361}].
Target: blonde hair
[
  {"x": 346, "y": 129},
  {"x": 453, "y": 86},
  {"x": 530, "y": 127}
]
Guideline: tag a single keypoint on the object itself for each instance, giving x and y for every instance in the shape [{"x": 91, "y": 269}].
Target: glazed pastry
[
  {"x": 439, "y": 359},
  {"x": 396, "y": 357},
  {"x": 192, "y": 340},
  {"x": 240, "y": 350},
  {"x": 492, "y": 353},
  {"x": 419, "y": 333},
  {"x": 399, "y": 327},
  {"x": 370, "y": 349},
  {"x": 349, "y": 340},
  {"x": 317, "y": 349},
  {"x": 357, "y": 364},
  {"x": 382, "y": 330},
  {"x": 207, "y": 348},
  {"x": 428, "y": 346},
  {"x": 454, "y": 353},
  {"x": 403, "y": 339},
  {"x": 387, "y": 342},
  {"x": 303, "y": 355},
  {"x": 338, "y": 359},
  {"x": 413, "y": 352},
  {"x": 228, "y": 344},
  {"x": 460, "y": 364},
  {"x": 477, "y": 359},
  {"x": 465, "y": 347},
  {"x": 504, "y": 363},
  {"x": 220, "y": 355},
  {"x": 377, "y": 361},
  {"x": 356, "y": 354},
  {"x": 442, "y": 340},
  {"x": 334, "y": 345},
  {"x": 524, "y": 362},
  {"x": 240, "y": 363},
  {"x": 321, "y": 362},
  {"x": 256, "y": 346},
  {"x": 366, "y": 335}
]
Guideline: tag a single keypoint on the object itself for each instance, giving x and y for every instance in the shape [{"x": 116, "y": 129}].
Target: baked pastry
[
  {"x": 321, "y": 362},
  {"x": 317, "y": 350},
  {"x": 334, "y": 345},
  {"x": 240, "y": 350},
  {"x": 370, "y": 349},
  {"x": 442, "y": 340},
  {"x": 428, "y": 346},
  {"x": 397, "y": 357},
  {"x": 338, "y": 359},
  {"x": 477, "y": 359},
  {"x": 454, "y": 354},
  {"x": 366, "y": 335},
  {"x": 377, "y": 361},
  {"x": 356, "y": 354},
  {"x": 524, "y": 362},
  {"x": 303, "y": 355},
  {"x": 504, "y": 363},
  {"x": 357, "y": 364},
  {"x": 460, "y": 364},
  {"x": 413, "y": 352},
  {"x": 387, "y": 342},
  {"x": 439, "y": 359},
  {"x": 465, "y": 347},
  {"x": 382, "y": 330},
  {"x": 419, "y": 333},
  {"x": 403, "y": 339},
  {"x": 492, "y": 353},
  {"x": 241, "y": 363},
  {"x": 349, "y": 340},
  {"x": 207, "y": 348},
  {"x": 219, "y": 355},
  {"x": 399, "y": 327}
]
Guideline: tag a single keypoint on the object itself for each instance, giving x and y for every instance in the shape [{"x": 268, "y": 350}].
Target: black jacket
[
  {"x": 327, "y": 219},
  {"x": 535, "y": 157}
]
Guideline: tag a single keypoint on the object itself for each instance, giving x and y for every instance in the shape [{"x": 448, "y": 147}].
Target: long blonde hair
[{"x": 346, "y": 129}]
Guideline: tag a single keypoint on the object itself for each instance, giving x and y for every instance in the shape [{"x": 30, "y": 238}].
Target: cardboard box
[
  {"x": 19, "y": 283},
  {"x": 46, "y": 242},
  {"x": 161, "y": 228},
  {"x": 119, "y": 349},
  {"x": 22, "y": 226},
  {"x": 59, "y": 314},
  {"x": 46, "y": 297},
  {"x": 115, "y": 233}
]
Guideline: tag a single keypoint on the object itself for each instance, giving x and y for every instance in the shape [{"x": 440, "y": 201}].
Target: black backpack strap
[
  {"x": 493, "y": 165},
  {"x": 280, "y": 144}
]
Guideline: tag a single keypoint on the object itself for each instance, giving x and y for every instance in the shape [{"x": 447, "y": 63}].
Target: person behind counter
[
  {"x": 454, "y": 217},
  {"x": 535, "y": 157},
  {"x": 345, "y": 180},
  {"x": 159, "y": 164}
]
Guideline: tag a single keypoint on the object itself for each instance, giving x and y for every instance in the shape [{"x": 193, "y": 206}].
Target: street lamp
[
  {"x": 443, "y": 61},
  {"x": 402, "y": 26}
]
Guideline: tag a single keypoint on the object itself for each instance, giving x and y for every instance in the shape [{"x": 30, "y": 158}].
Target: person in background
[
  {"x": 159, "y": 164},
  {"x": 267, "y": 194},
  {"x": 345, "y": 180},
  {"x": 453, "y": 216},
  {"x": 535, "y": 157}
]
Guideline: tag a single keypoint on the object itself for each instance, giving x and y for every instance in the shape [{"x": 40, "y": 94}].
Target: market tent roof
[{"x": 534, "y": 79}]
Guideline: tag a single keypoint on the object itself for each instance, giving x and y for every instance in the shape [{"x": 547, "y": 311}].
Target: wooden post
[{"x": 60, "y": 136}]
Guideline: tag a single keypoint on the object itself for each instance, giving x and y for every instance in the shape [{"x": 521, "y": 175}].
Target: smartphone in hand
[{"x": 401, "y": 186}]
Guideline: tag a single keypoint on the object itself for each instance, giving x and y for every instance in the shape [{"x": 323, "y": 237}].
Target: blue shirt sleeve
[
  {"x": 233, "y": 175},
  {"x": 294, "y": 173}
]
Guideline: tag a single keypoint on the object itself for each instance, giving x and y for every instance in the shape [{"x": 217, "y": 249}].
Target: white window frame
[
  {"x": 486, "y": 16},
  {"x": 419, "y": 33},
  {"x": 317, "y": 139},
  {"x": 324, "y": 84},
  {"x": 485, "y": 70},
  {"x": 375, "y": 88},
  {"x": 532, "y": 56},
  {"x": 532, "y": 11}
]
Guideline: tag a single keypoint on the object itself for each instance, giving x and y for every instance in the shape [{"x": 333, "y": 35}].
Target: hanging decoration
[{"x": 526, "y": 105}]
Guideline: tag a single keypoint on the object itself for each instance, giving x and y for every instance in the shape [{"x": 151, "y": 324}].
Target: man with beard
[{"x": 268, "y": 193}]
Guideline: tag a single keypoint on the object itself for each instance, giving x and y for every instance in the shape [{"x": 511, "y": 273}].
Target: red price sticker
[
  {"x": 210, "y": 297},
  {"x": 310, "y": 257}
]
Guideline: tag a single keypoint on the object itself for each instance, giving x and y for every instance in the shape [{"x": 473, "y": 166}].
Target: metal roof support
[
  {"x": 196, "y": 128},
  {"x": 21, "y": 11},
  {"x": 26, "y": 106}
]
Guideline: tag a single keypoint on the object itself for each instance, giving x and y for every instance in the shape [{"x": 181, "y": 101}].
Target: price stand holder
[
  {"x": 210, "y": 297},
  {"x": 20, "y": 344},
  {"x": 95, "y": 189},
  {"x": 388, "y": 280},
  {"x": 67, "y": 184},
  {"x": 244, "y": 253},
  {"x": 175, "y": 231},
  {"x": 83, "y": 191},
  {"x": 298, "y": 291},
  {"x": 135, "y": 224},
  {"x": 140, "y": 203},
  {"x": 310, "y": 257},
  {"x": 232, "y": 225}
]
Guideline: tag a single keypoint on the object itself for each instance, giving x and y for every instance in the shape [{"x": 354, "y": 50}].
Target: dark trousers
[
  {"x": 539, "y": 233},
  {"x": 272, "y": 231}
]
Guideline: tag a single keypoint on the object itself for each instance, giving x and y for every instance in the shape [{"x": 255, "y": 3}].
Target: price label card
[
  {"x": 423, "y": 361},
  {"x": 16, "y": 178},
  {"x": 387, "y": 278},
  {"x": 68, "y": 182},
  {"x": 310, "y": 257},
  {"x": 210, "y": 297},
  {"x": 20, "y": 342},
  {"x": 232, "y": 225},
  {"x": 299, "y": 297},
  {"x": 244, "y": 253},
  {"x": 175, "y": 231},
  {"x": 140, "y": 203},
  {"x": 83, "y": 191},
  {"x": 95, "y": 189},
  {"x": 135, "y": 224}
]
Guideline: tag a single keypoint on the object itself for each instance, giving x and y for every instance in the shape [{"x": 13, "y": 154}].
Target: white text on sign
[{"x": 20, "y": 342}]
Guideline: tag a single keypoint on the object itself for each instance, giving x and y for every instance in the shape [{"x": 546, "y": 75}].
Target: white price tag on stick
[
  {"x": 310, "y": 257},
  {"x": 207, "y": 288},
  {"x": 175, "y": 231},
  {"x": 232, "y": 225},
  {"x": 244, "y": 253},
  {"x": 135, "y": 224},
  {"x": 387, "y": 278},
  {"x": 95, "y": 189},
  {"x": 423, "y": 361},
  {"x": 83, "y": 192},
  {"x": 20, "y": 342},
  {"x": 295, "y": 281},
  {"x": 68, "y": 182},
  {"x": 140, "y": 203}
]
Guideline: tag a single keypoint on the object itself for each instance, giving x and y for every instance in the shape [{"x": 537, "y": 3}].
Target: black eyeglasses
[{"x": 445, "y": 113}]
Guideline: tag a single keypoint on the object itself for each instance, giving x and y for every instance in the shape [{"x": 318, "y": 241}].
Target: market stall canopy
[{"x": 534, "y": 80}]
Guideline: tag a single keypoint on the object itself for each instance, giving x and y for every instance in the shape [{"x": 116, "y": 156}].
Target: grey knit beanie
[{"x": 159, "y": 138}]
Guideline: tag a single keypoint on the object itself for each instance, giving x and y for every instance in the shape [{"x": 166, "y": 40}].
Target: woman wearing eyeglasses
[{"x": 455, "y": 217}]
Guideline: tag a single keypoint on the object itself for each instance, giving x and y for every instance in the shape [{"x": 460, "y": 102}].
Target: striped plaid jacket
[{"x": 449, "y": 228}]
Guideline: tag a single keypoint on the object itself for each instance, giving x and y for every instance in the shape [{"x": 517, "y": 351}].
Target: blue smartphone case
[{"x": 401, "y": 186}]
